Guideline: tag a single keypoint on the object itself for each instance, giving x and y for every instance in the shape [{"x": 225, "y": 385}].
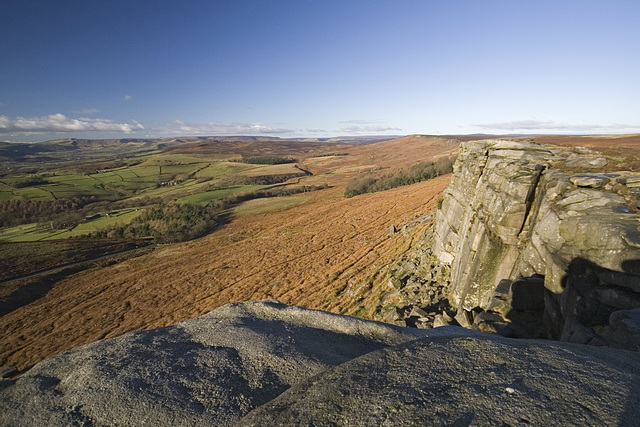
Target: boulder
[
  {"x": 206, "y": 371},
  {"x": 478, "y": 379},
  {"x": 265, "y": 363},
  {"x": 624, "y": 330}
]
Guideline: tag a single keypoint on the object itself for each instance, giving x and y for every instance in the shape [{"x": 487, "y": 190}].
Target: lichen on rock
[{"x": 519, "y": 210}]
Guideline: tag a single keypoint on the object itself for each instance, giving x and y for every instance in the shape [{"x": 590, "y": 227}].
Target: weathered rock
[
  {"x": 527, "y": 294},
  {"x": 511, "y": 212},
  {"x": 264, "y": 363},
  {"x": 593, "y": 181},
  {"x": 442, "y": 320},
  {"x": 474, "y": 380},
  {"x": 464, "y": 318},
  {"x": 576, "y": 332},
  {"x": 624, "y": 330},
  {"x": 205, "y": 371}
]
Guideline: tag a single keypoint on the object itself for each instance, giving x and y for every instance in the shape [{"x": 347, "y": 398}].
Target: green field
[
  {"x": 40, "y": 232},
  {"x": 185, "y": 178}
]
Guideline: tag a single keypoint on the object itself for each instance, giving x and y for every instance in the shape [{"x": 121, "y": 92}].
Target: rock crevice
[{"x": 514, "y": 210}]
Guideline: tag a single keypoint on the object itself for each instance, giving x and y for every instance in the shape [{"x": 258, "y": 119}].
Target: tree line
[
  {"x": 421, "y": 172},
  {"x": 177, "y": 222},
  {"x": 268, "y": 160},
  {"x": 63, "y": 213}
]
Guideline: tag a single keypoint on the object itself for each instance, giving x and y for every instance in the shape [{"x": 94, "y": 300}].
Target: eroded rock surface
[
  {"x": 265, "y": 363},
  {"x": 515, "y": 212},
  {"x": 206, "y": 371},
  {"x": 479, "y": 379}
]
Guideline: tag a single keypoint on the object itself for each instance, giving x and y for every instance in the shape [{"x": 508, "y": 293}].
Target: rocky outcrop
[
  {"x": 418, "y": 284},
  {"x": 265, "y": 363},
  {"x": 537, "y": 249},
  {"x": 474, "y": 380}
]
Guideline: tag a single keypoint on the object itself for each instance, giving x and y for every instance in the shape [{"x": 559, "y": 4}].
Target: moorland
[{"x": 100, "y": 238}]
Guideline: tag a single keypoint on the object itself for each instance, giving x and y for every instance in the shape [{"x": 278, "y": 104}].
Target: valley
[{"x": 312, "y": 248}]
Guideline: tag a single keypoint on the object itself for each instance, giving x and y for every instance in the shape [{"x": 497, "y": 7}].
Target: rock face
[
  {"x": 264, "y": 363},
  {"x": 538, "y": 249}
]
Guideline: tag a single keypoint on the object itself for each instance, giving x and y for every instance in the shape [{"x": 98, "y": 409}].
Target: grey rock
[
  {"x": 624, "y": 331},
  {"x": 206, "y": 371},
  {"x": 442, "y": 320},
  {"x": 527, "y": 293},
  {"x": 575, "y": 332},
  {"x": 264, "y": 363},
  {"x": 418, "y": 312},
  {"x": 586, "y": 162},
  {"x": 478, "y": 379},
  {"x": 464, "y": 319},
  {"x": 509, "y": 213},
  {"x": 592, "y": 181}
]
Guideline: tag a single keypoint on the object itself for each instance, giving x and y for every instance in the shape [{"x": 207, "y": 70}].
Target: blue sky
[{"x": 295, "y": 68}]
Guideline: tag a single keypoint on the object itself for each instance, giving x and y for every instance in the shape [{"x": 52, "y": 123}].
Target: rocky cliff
[{"x": 542, "y": 243}]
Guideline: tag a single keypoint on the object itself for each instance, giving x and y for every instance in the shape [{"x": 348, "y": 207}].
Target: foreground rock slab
[
  {"x": 480, "y": 379},
  {"x": 206, "y": 371},
  {"x": 265, "y": 363}
]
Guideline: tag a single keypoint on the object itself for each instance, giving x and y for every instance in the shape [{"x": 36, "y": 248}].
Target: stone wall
[{"x": 536, "y": 249}]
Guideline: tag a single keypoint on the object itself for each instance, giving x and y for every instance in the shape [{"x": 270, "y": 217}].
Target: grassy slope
[
  {"x": 318, "y": 250},
  {"x": 166, "y": 175}
]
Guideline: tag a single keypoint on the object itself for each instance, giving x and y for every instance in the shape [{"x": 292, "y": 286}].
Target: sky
[{"x": 317, "y": 68}]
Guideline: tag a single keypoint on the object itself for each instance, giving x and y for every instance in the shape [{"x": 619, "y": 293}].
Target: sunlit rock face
[{"x": 518, "y": 212}]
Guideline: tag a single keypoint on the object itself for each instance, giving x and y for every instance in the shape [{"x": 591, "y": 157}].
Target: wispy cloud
[
  {"x": 178, "y": 127},
  {"x": 369, "y": 129},
  {"x": 87, "y": 111},
  {"x": 551, "y": 126},
  {"x": 60, "y": 123},
  {"x": 361, "y": 122},
  {"x": 127, "y": 97}
]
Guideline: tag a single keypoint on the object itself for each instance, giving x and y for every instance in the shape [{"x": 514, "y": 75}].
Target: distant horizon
[{"x": 341, "y": 137}]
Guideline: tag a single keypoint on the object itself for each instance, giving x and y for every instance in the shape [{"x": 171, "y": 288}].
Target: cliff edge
[{"x": 542, "y": 243}]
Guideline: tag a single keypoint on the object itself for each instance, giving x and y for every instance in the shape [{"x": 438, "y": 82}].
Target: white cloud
[
  {"x": 551, "y": 126},
  {"x": 369, "y": 129},
  {"x": 127, "y": 97},
  {"x": 61, "y": 123},
  {"x": 179, "y": 127}
]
